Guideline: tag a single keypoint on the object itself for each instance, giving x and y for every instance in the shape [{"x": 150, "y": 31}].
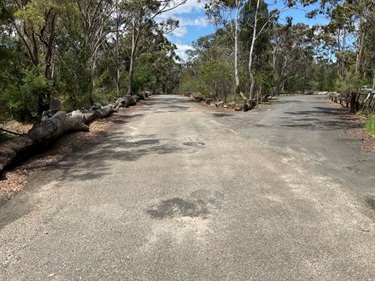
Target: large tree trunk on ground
[
  {"x": 55, "y": 126},
  {"x": 44, "y": 131}
]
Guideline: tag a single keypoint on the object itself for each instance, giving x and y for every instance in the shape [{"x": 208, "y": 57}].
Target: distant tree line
[
  {"x": 252, "y": 52},
  {"x": 81, "y": 51}
]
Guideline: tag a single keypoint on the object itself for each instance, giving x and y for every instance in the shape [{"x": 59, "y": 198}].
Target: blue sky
[{"x": 193, "y": 23}]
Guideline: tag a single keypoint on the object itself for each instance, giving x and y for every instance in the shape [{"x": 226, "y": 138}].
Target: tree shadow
[
  {"x": 286, "y": 101},
  {"x": 121, "y": 118},
  {"x": 320, "y": 118},
  {"x": 97, "y": 158}
]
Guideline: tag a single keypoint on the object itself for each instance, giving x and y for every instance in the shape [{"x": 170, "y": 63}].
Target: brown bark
[
  {"x": 54, "y": 127},
  {"x": 44, "y": 131}
]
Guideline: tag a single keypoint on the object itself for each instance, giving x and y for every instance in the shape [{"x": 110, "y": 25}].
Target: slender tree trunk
[
  {"x": 50, "y": 45},
  {"x": 373, "y": 80},
  {"x": 236, "y": 53},
  {"x": 251, "y": 53},
  {"x": 341, "y": 68},
  {"x": 274, "y": 70},
  {"x": 132, "y": 58},
  {"x": 361, "y": 39},
  {"x": 117, "y": 51},
  {"x": 359, "y": 54}
]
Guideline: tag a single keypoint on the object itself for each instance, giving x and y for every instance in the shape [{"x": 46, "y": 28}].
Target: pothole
[
  {"x": 201, "y": 203},
  {"x": 177, "y": 208},
  {"x": 371, "y": 202},
  {"x": 222, "y": 115},
  {"x": 147, "y": 141},
  {"x": 191, "y": 143}
]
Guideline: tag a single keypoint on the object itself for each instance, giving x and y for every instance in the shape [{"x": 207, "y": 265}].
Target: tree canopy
[
  {"x": 269, "y": 56},
  {"x": 81, "y": 51}
]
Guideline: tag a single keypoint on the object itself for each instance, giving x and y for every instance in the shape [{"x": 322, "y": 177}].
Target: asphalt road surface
[{"x": 178, "y": 192}]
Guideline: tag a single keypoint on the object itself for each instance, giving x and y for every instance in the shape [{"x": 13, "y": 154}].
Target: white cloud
[
  {"x": 184, "y": 13},
  {"x": 193, "y": 22},
  {"x": 191, "y": 6},
  {"x": 181, "y": 49},
  {"x": 180, "y": 32},
  {"x": 191, "y": 19}
]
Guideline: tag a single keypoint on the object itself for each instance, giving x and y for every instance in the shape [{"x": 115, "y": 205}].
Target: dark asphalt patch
[
  {"x": 371, "y": 202},
  {"x": 191, "y": 143},
  {"x": 222, "y": 115},
  {"x": 178, "y": 207},
  {"x": 201, "y": 203},
  {"x": 147, "y": 141}
]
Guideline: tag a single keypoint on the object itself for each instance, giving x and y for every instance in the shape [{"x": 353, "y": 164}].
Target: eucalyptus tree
[
  {"x": 33, "y": 27},
  {"x": 95, "y": 19},
  {"x": 9, "y": 64},
  {"x": 369, "y": 48},
  {"x": 252, "y": 16},
  {"x": 140, "y": 15},
  {"x": 349, "y": 27},
  {"x": 210, "y": 67},
  {"x": 164, "y": 67},
  {"x": 221, "y": 13},
  {"x": 255, "y": 21},
  {"x": 292, "y": 55}
]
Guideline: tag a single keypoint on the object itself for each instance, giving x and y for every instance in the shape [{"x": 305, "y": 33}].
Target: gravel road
[{"x": 183, "y": 193}]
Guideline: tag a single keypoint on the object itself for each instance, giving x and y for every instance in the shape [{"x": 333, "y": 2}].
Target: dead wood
[
  {"x": 44, "y": 131},
  {"x": 9, "y": 132},
  {"x": 51, "y": 128}
]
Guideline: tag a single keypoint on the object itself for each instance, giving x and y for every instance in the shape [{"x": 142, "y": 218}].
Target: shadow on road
[
  {"x": 321, "y": 118},
  {"x": 94, "y": 161}
]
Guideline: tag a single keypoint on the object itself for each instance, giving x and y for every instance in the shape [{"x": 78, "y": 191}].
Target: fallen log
[
  {"x": 136, "y": 98},
  {"x": 140, "y": 96},
  {"x": 104, "y": 111},
  {"x": 124, "y": 101},
  {"x": 129, "y": 101},
  {"x": 44, "y": 131},
  {"x": 86, "y": 116},
  {"x": 198, "y": 98},
  {"x": 53, "y": 127},
  {"x": 10, "y": 132}
]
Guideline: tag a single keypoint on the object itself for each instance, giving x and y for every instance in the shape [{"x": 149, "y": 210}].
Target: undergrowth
[
  {"x": 4, "y": 137},
  {"x": 370, "y": 124}
]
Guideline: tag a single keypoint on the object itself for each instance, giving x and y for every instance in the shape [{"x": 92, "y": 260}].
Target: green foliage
[
  {"x": 265, "y": 82},
  {"x": 84, "y": 51},
  {"x": 23, "y": 98},
  {"x": 322, "y": 76},
  {"x": 73, "y": 80},
  {"x": 218, "y": 77},
  {"x": 370, "y": 124},
  {"x": 80, "y": 52},
  {"x": 191, "y": 83},
  {"x": 4, "y": 137},
  {"x": 351, "y": 82},
  {"x": 144, "y": 75}
]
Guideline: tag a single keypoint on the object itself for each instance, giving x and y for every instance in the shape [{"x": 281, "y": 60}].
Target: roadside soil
[{"x": 15, "y": 178}]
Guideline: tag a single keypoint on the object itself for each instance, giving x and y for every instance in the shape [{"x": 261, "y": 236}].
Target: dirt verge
[{"x": 15, "y": 177}]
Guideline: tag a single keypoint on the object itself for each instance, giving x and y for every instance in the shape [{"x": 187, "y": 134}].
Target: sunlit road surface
[{"x": 178, "y": 192}]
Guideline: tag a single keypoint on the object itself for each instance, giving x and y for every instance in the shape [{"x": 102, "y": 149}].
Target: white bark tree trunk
[
  {"x": 236, "y": 53},
  {"x": 251, "y": 53}
]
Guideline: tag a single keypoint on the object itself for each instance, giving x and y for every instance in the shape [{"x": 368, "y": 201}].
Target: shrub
[
  {"x": 22, "y": 98},
  {"x": 370, "y": 124}
]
